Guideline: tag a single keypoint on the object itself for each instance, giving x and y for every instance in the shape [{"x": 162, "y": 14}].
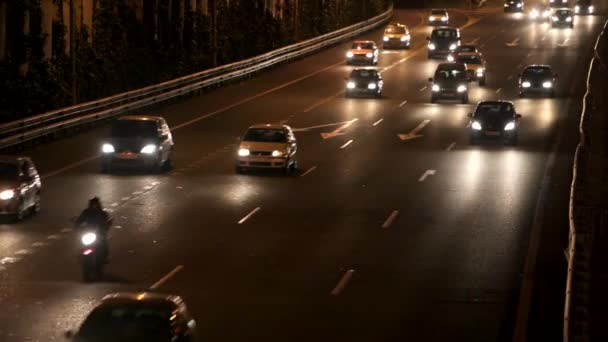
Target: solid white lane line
[
  {"x": 308, "y": 171},
  {"x": 498, "y": 90},
  {"x": 168, "y": 276},
  {"x": 347, "y": 143},
  {"x": 422, "y": 89},
  {"x": 390, "y": 219},
  {"x": 378, "y": 122},
  {"x": 402, "y": 103},
  {"x": 450, "y": 147},
  {"x": 343, "y": 282},
  {"x": 426, "y": 174},
  {"x": 248, "y": 216},
  {"x": 126, "y": 198}
]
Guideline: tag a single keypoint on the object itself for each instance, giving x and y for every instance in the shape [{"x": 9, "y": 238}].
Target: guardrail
[
  {"x": 27, "y": 129},
  {"x": 580, "y": 241}
]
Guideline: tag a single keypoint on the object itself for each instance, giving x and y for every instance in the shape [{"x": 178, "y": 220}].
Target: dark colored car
[
  {"x": 494, "y": 119},
  {"x": 562, "y": 17},
  {"x": 558, "y": 3},
  {"x": 443, "y": 41},
  {"x": 537, "y": 79},
  {"x": 514, "y": 6},
  {"x": 583, "y": 7},
  {"x": 364, "y": 82},
  {"x": 138, "y": 140},
  {"x": 462, "y": 48},
  {"x": 20, "y": 186},
  {"x": 450, "y": 82},
  {"x": 137, "y": 317}
]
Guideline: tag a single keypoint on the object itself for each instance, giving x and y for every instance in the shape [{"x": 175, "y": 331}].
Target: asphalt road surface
[{"x": 374, "y": 239}]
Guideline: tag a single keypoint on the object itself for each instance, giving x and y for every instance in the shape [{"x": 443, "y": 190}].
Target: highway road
[{"x": 374, "y": 239}]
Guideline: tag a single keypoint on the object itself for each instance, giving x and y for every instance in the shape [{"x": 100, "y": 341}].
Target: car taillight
[{"x": 87, "y": 251}]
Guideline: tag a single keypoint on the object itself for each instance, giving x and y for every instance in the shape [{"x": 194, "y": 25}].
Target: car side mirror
[
  {"x": 430, "y": 79},
  {"x": 69, "y": 335}
]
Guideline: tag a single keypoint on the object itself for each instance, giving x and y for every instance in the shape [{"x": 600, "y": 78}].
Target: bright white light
[
  {"x": 444, "y": 18},
  {"x": 554, "y": 18},
  {"x": 435, "y": 87},
  {"x": 369, "y": 55},
  {"x": 431, "y": 18},
  {"x": 385, "y": 38},
  {"x": 526, "y": 84},
  {"x": 480, "y": 72},
  {"x": 88, "y": 239},
  {"x": 519, "y": 5},
  {"x": 404, "y": 38},
  {"x": 510, "y": 126},
  {"x": 276, "y": 153},
  {"x": 461, "y": 88},
  {"x": 591, "y": 9},
  {"x": 432, "y": 46},
  {"x": 547, "y": 84},
  {"x": 243, "y": 152},
  {"x": 350, "y": 54},
  {"x": 7, "y": 194},
  {"x": 577, "y": 8},
  {"x": 148, "y": 149},
  {"x": 371, "y": 86},
  {"x": 107, "y": 148},
  {"x": 476, "y": 126},
  {"x": 450, "y": 58},
  {"x": 534, "y": 14},
  {"x": 350, "y": 85},
  {"x": 453, "y": 47},
  {"x": 569, "y": 19}
]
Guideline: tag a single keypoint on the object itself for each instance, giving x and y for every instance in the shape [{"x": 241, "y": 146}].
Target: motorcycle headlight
[
  {"x": 547, "y": 84},
  {"x": 371, "y": 86},
  {"x": 350, "y": 85},
  {"x": 88, "y": 239},
  {"x": 510, "y": 126},
  {"x": 444, "y": 18},
  {"x": 453, "y": 47},
  {"x": 277, "y": 153},
  {"x": 349, "y": 54},
  {"x": 526, "y": 84},
  {"x": 369, "y": 55},
  {"x": 107, "y": 148},
  {"x": 432, "y": 46},
  {"x": 385, "y": 38},
  {"x": 476, "y": 126},
  {"x": 7, "y": 194},
  {"x": 435, "y": 87},
  {"x": 243, "y": 152},
  {"x": 461, "y": 88},
  {"x": 569, "y": 19},
  {"x": 148, "y": 149}
]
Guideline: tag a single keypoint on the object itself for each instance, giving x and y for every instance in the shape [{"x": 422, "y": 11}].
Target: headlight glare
[
  {"x": 148, "y": 149},
  {"x": 510, "y": 126},
  {"x": 7, "y": 194},
  {"x": 444, "y": 18},
  {"x": 577, "y": 8},
  {"x": 461, "y": 88},
  {"x": 431, "y": 18},
  {"x": 385, "y": 38},
  {"x": 519, "y": 5},
  {"x": 569, "y": 19},
  {"x": 450, "y": 58},
  {"x": 350, "y": 54},
  {"x": 591, "y": 8},
  {"x": 243, "y": 152},
  {"x": 88, "y": 239},
  {"x": 435, "y": 87},
  {"x": 547, "y": 84},
  {"x": 369, "y": 55},
  {"x": 526, "y": 84},
  {"x": 350, "y": 85},
  {"x": 476, "y": 126},
  {"x": 277, "y": 153},
  {"x": 404, "y": 38},
  {"x": 453, "y": 47},
  {"x": 432, "y": 46},
  {"x": 371, "y": 86},
  {"x": 107, "y": 148},
  {"x": 554, "y": 19}
]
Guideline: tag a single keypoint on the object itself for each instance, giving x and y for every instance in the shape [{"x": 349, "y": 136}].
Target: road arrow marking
[
  {"x": 338, "y": 131},
  {"x": 426, "y": 174},
  {"x": 564, "y": 44},
  {"x": 414, "y": 133},
  {"x": 513, "y": 43}
]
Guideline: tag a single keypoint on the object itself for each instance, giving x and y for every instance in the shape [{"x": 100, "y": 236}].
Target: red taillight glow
[{"x": 87, "y": 251}]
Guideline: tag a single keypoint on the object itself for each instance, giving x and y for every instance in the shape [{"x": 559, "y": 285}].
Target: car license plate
[
  {"x": 127, "y": 155},
  {"x": 493, "y": 133}
]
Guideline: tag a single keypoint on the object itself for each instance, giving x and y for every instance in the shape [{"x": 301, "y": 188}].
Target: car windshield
[
  {"x": 444, "y": 34},
  {"x": 438, "y": 12},
  {"x": 537, "y": 72},
  {"x": 363, "y": 73},
  {"x": 446, "y": 74},
  {"x": 9, "y": 171},
  {"x": 562, "y": 13},
  {"x": 363, "y": 46},
  {"x": 272, "y": 135},
  {"x": 134, "y": 128},
  {"x": 395, "y": 30},
  {"x": 494, "y": 110},
  {"x": 469, "y": 59},
  {"x": 128, "y": 322}
]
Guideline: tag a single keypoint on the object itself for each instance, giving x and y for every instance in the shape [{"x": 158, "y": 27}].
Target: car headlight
[
  {"x": 385, "y": 38},
  {"x": 350, "y": 85},
  {"x": 453, "y": 47},
  {"x": 554, "y": 18},
  {"x": 435, "y": 87},
  {"x": 480, "y": 71},
  {"x": 450, "y": 58},
  {"x": 277, "y": 153},
  {"x": 444, "y": 18},
  {"x": 148, "y": 149},
  {"x": 431, "y": 18},
  {"x": 405, "y": 38},
  {"x": 461, "y": 88},
  {"x": 526, "y": 84},
  {"x": 569, "y": 19},
  {"x": 476, "y": 126},
  {"x": 546, "y": 14},
  {"x": 369, "y": 55},
  {"x": 534, "y": 14},
  {"x": 243, "y": 152},
  {"x": 590, "y": 8},
  {"x": 577, "y": 8},
  {"x": 107, "y": 148},
  {"x": 88, "y": 239},
  {"x": 371, "y": 86},
  {"x": 506, "y": 5},
  {"x": 432, "y": 46},
  {"x": 519, "y": 5},
  {"x": 547, "y": 84},
  {"x": 350, "y": 54},
  {"x": 510, "y": 126},
  {"x": 7, "y": 194}
]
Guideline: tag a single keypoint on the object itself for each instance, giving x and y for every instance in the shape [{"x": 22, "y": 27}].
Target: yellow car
[
  {"x": 475, "y": 64},
  {"x": 396, "y": 36}
]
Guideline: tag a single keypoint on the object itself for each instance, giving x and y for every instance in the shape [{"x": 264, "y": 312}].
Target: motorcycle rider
[{"x": 95, "y": 216}]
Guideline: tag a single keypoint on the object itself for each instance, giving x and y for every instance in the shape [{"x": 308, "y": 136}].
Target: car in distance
[
  {"x": 138, "y": 140},
  {"x": 439, "y": 17},
  {"x": 494, "y": 119},
  {"x": 537, "y": 79},
  {"x": 268, "y": 146},
  {"x": 396, "y": 36},
  {"x": 462, "y": 48},
  {"x": 558, "y": 3},
  {"x": 145, "y": 316},
  {"x": 582, "y": 7},
  {"x": 364, "y": 82},
  {"x": 514, "y": 6},
  {"x": 540, "y": 13},
  {"x": 475, "y": 64},
  {"x": 450, "y": 82},
  {"x": 562, "y": 17},
  {"x": 20, "y": 186},
  {"x": 362, "y": 52},
  {"x": 443, "y": 41}
]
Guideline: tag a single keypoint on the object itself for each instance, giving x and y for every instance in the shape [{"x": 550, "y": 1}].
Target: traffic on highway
[{"x": 383, "y": 189}]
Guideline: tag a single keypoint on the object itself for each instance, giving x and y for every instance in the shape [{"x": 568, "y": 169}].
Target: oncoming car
[
  {"x": 364, "y": 81},
  {"x": 540, "y": 13},
  {"x": 583, "y": 7},
  {"x": 494, "y": 119},
  {"x": 558, "y": 3},
  {"x": 443, "y": 41},
  {"x": 439, "y": 16},
  {"x": 475, "y": 64},
  {"x": 537, "y": 79},
  {"x": 396, "y": 36},
  {"x": 363, "y": 52},
  {"x": 267, "y": 146},
  {"x": 514, "y": 6},
  {"x": 562, "y": 17},
  {"x": 450, "y": 82},
  {"x": 20, "y": 186}
]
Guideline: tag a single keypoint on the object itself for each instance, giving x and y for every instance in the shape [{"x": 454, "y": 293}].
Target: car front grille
[{"x": 260, "y": 153}]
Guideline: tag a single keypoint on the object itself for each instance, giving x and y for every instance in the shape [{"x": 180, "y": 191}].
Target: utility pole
[{"x": 73, "y": 52}]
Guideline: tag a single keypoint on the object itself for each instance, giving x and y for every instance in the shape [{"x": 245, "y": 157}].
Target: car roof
[
  {"x": 494, "y": 102},
  {"x": 563, "y": 9},
  {"x": 438, "y": 9},
  {"x": 396, "y": 24},
  {"x": 445, "y": 28},
  {"x": 140, "y": 117},
  {"x": 538, "y": 66},
  {"x": 147, "y": 297},
  {"x": 269, "y": 126},
  {"x": 363, "y": 42},
  {"x": 467, "y": 53},
  {"x": 450, "y": 65}
]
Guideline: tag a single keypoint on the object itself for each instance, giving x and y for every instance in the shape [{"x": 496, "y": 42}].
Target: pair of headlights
[
  {"x": 546, "y": 84},
  {"x": 444, "y": 19},
  {"x": 403, "y": 38},
  {"x": 508, "y": 127},
  {"x": 433, "y": 46},
  {"x": 245, "y": 152},
  {"x": 352, "y": 85},
  {"x": 568, "y": 19},
  {"x": 148, "y": 149},
  {"x": 461, "y": 88},
  {"x": 349, "y": 54}
]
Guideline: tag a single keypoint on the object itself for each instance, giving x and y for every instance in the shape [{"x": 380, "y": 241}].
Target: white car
[
  {"x": 267, "y": 146},
  {"x": 439, "y": 17}
]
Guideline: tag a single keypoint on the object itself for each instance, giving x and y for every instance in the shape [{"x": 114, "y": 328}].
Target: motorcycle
[{"x": 93, "y": 254}]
